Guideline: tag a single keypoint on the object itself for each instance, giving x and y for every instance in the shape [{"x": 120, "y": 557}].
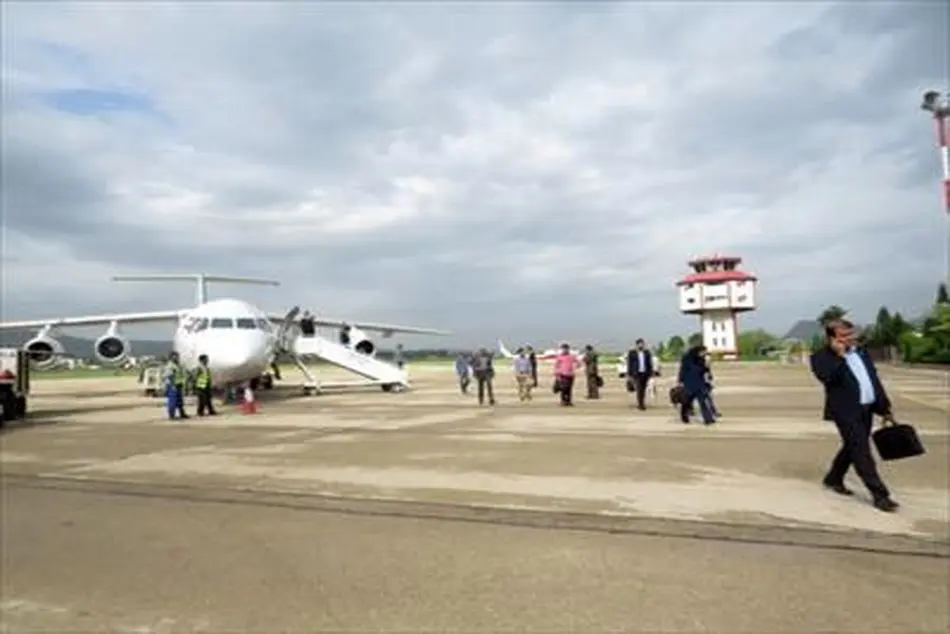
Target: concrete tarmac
[{"x": 363, "y": 511}]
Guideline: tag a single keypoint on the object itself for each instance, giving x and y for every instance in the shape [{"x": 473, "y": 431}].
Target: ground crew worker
[
  {"x": 591, "y": 373},
  {"x": 522, "y": 367},
  {"x": 398, "y": 356},
  {"x": 484, "y": 374},
  {"x": 345, "y": 335},
  {"x": 175, "y": 387},
  {"x": 203, "y": 387}
]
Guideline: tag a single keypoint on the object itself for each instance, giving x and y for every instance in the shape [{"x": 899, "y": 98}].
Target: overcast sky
[{"x": 533, "y": 171}]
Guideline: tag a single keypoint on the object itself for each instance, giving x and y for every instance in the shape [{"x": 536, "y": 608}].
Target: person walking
[
  {"x": 640, "y": 370},
  {"x": 591, "y": 372},
  {"x": 522, "y": 368},
  {"x": 692, "y": 378},
  {"x": 533, "y": 358},
  {"x": 564, "y": 366},
  {"x": 484, "y": 371},
  {"x": 853, "y": 395},
  {"x": 463, "y": 370},
  {"x": 203, "y": 387},
  {"x": 174, "y": 378}
]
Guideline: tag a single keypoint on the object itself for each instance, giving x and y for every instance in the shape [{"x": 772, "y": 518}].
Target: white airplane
[
  {"x": 547, "y": 355},
  {"x": 241, "y": 341}
]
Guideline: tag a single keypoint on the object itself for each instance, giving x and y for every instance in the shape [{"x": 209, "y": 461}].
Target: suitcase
[{"x": 896, "y": 441}]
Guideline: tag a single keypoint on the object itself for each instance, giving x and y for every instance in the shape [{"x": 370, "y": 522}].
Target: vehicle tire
[
  {"x": 387, "y": 387},
  {"x": 9, "y": 405},
  {"x": 254, "y": 384},
  {"x": 267, "y": 382},
  {"x": 20, "y": 411}
]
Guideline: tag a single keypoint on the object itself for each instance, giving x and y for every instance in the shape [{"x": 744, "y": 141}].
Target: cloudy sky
[{"x": 532, "y": 171}]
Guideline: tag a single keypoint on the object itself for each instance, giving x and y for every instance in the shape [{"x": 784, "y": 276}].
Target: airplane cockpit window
[
  {"x": 201, "y": 325},
  {"x": 222, "y": 322},
  {"x": 246, "y": 323},
  {"x": 195, "y": 324},
  {"x": 264, "y": 324}
]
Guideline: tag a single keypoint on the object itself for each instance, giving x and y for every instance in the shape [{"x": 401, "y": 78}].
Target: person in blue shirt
[
  {"x": 853, "y": 395},
  {"x": 463, "y": 370},
  {"x": 692, "y": 378}
]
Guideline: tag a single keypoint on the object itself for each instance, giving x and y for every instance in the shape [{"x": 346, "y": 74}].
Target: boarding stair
[{"x": 387, "y": 375}]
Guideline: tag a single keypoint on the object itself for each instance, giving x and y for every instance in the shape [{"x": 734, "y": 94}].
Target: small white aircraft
[
  {"x": 547, "y": 355},
  {"x": 241, "y": 341}
]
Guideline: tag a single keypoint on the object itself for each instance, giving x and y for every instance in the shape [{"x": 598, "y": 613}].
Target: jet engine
[
  {"x": 112, "y": 348},
  {"x": 44, "y": 351},
  {"x": 361, "y": 343}
]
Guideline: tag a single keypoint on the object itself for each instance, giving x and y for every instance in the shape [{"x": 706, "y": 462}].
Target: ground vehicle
[{"x": 14, "y": 383}]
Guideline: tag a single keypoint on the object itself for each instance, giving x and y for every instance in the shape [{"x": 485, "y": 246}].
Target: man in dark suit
[
  {"x": 853, "y": 394},
  {"x": 640, "y": 370}
]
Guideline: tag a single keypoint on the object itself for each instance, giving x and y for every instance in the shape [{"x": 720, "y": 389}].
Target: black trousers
[
  {"x": 856, "y": 450},
  {"x": 566, "y": 389},
  {"x": 640, "y": 380},
  {"x": 534, "y": 374},
  {"x": 204, "y": 402},
  {"x": 485, "y": 385}
]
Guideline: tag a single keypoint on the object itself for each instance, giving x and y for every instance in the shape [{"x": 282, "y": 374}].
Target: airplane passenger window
[
  {"x": 264, "y": 324},
  {"x": 222, "y": 322},
  {"x": 246, "y": 323}
]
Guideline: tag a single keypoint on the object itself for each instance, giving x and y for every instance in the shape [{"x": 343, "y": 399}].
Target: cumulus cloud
[{"x": 527, "y": 170}]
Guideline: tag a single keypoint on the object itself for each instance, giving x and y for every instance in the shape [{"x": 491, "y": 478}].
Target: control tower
[{"x": 717, "y": 291}]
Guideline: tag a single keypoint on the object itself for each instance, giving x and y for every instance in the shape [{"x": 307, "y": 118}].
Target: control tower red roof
[{"x": 717, "y": 277}]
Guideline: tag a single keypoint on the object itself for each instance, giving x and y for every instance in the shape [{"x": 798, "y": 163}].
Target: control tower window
[
  {"x": 222, "y": 322},
  {"x": 246, "y": 323}
]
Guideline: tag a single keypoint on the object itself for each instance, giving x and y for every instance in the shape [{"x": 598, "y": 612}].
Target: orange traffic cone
[{"x": 248, "y": 404}]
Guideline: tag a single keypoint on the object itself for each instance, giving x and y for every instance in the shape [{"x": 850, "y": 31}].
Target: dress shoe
[
  {"x": 886, "y": 504},
  {"x": 840, "y": 489}
]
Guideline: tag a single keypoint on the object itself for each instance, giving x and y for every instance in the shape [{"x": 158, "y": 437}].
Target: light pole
[{"x": 939, "y": 106}]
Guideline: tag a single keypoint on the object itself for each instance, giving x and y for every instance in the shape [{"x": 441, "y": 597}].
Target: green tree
[
  {"x": 942, "y": 296},
  {"x": 675, "y": 346},
  {"x": 817, "y": 343},
  {"x": 831, "y": 313},
  {"x": 695, "y": 339},
  {"x": 756, "y": 343}
]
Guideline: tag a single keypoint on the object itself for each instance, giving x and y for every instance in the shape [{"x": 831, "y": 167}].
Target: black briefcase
[
  {"x": 677, "y": 395},
  {"x": 896, "y": 441}
]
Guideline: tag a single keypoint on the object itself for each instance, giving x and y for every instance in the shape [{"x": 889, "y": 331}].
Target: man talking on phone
[{"x": 853, "y": 394}]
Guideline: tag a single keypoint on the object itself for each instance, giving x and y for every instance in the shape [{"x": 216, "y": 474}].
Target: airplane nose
[{"x": 243, "y": 356}]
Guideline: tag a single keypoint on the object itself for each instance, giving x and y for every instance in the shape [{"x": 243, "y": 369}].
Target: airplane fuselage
[{"x": 238, "y": 338}]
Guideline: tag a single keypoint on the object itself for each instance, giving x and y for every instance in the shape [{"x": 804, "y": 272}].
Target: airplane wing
[
  {"x": 386, "y": 329},
  {"x": 96, "y": 320}
]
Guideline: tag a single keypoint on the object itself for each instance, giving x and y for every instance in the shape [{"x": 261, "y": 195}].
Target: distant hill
[
  {"x": 82, "y": 348},
  {"x": 804, "y": 330}
]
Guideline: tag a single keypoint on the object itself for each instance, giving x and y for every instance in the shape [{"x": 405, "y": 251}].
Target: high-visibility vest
[
  {"x": 203, "y": 378},
  {"x": 175, "y": 374}
]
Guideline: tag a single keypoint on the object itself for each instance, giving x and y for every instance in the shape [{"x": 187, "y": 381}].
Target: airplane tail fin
[
  {"x": 504, "y": 351},
  {"x": 200, "y": 279}
]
